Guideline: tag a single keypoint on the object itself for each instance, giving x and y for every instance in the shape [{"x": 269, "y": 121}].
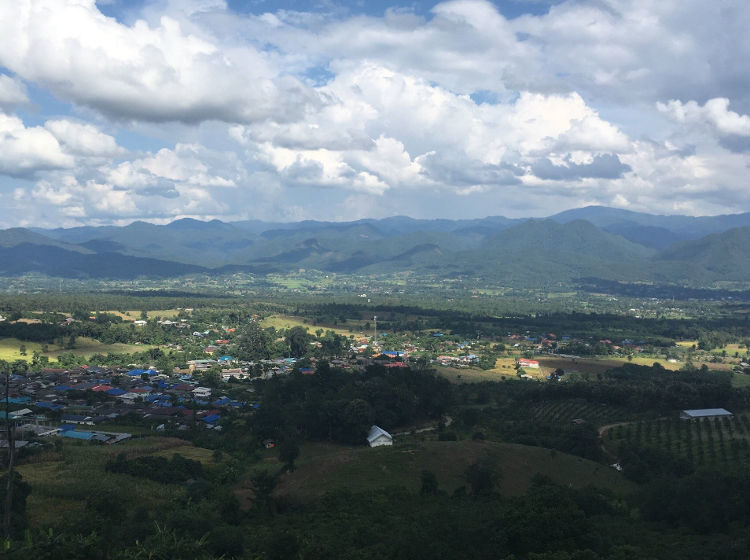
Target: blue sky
[{"x": 115, "y": 111}]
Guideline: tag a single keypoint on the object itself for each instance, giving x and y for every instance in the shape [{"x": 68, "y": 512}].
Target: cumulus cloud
[
  {"x": 300, "y": 114},
  {"x": 84, "y": 139},
  {"x": 604, "y": 166},
  {"x": 383, "y": 130},
  {"x": 714, "y": 113},
  {"x": 27, "y": 150},
  {"x": 158, "y": 73},
  {"x": 12, "y": 92}
]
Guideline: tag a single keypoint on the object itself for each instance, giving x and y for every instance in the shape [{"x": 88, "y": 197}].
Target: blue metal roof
[
  {"x": 139, "y": 372},
  {"x": 78, "y": 435},
  {"x": 51, "y": 406}
]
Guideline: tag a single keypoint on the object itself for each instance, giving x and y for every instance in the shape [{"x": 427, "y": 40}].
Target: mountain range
[{"x": 591, "y": 242}]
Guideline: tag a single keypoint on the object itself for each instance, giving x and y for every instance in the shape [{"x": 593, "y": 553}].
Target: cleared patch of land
[
  {"x": 280, "y": 322},
  {"x": 327, "y": 467},
  {"x": 87, "y": 346},
  {"x": 10, "y": 349},
  {"x": 63, "y": 487}
]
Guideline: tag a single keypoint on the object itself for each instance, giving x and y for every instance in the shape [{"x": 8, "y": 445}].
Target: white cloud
[
  {"x": 26, "y": 150},
  {"x": 84, "y": 139},
  {"x": 146, "y": 72},
  {"x": 460, "y": 107},
  {"x": 714, "y": 113},
  {"x": 12, "y": 92}
]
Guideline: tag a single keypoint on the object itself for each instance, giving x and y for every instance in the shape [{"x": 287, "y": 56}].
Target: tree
[
  {"x": 429, "y": 483},
  {"x": 264, "y": 483},
  {"x": 298, "y": 340},
  {"x": 356, "y": 419},
  {"x": 288, "y": 453},
  {"x": 481, "y": 477}
]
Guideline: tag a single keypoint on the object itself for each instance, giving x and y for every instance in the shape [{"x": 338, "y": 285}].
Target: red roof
[{"x": 102, "y": 388}]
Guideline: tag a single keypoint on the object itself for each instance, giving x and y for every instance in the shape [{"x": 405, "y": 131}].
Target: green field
[
  {"x": 10, "y": 349},
  {"x": 63, "y": 482},
  {"x": 711, "y": 442},
  {"x": 87, "y": 346},
  {"x": 280, "y": 322},
  {"x": 565, "y": 411},
  {"x": 326, "y": 467}
]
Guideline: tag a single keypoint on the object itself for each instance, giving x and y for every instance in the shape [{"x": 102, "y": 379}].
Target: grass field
[
  {"x": 10, "y": 349},
  {"x": 326, "y": 467},
  {"x": 288, "y": 321},
  {"x": 473, "y": 375},
  {"x": 87, "y": 346},
  {"x": 61, "y": 487}
]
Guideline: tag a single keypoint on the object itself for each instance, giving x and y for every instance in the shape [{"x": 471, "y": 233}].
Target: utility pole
[
  {"x": 11, "y": 457},
  {"x": 375, "y": 337}
]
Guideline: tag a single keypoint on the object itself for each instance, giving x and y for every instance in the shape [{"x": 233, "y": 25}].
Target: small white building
[
  {"x": 202, "y": 393},
  {"x": 378, "y": 436}
]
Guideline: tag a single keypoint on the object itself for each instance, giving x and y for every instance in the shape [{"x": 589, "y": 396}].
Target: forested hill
[{"x": 592, "y": 242}]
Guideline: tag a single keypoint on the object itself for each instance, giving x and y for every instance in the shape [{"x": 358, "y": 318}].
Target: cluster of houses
[
  {"x": 464, "y": 360},
  {"x": 71, "y": 402}
]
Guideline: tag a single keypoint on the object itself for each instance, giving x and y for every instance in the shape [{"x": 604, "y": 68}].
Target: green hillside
[{"x": 323, "y": 468}]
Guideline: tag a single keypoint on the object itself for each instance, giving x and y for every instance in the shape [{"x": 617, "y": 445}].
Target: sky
[{"x": 113, "y": 111}]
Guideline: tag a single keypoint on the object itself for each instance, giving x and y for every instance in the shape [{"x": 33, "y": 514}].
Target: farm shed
[
  {"x": 378, "y": 436},
  {"x": 700, "y": 413}
]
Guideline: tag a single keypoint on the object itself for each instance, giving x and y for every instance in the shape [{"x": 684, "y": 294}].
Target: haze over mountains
[{"x": 596, "y": 242}]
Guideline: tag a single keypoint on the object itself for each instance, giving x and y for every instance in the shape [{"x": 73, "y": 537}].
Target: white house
[
  {"x": 201, "y": 392},
  {"x": 378, "y": 436}
]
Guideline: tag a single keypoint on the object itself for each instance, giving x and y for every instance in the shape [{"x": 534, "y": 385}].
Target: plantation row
[
  {"x": 701, "y": 443},
  {"x": 568, "y": 410}
]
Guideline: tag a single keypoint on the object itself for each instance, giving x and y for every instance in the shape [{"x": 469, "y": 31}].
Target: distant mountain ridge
[{"x": 592, "y": 242}]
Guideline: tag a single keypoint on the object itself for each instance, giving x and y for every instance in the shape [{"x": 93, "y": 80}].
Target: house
[
  {"x": 699, "y": 414},
  {"x": 236, "y": 372},
  {"x": 201, "y": 392},
  {"x": 524, "y": 363},
  {"x": 378, "y": 436}
]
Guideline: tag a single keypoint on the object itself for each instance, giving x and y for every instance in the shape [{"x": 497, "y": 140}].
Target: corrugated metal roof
[
  {"x": 376, "y": 432},
  {"x": 78, "y": 435},
  {"x": 702, "y": 412}
]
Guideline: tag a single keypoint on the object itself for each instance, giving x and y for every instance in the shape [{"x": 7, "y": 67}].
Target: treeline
[
  {"x": 340, "y": 406},
  {"x": 637, "y": 388},
  {"x": 175, "y": 470},
  {"x": 548, "y": 522},
  {"x": 654, "y": 332}
]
